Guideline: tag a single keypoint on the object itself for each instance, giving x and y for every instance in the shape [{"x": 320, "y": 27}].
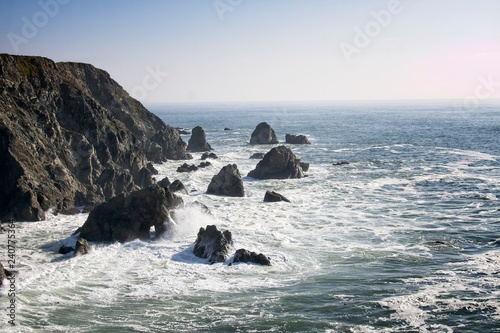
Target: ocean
[{"x": 403, "y": 238}]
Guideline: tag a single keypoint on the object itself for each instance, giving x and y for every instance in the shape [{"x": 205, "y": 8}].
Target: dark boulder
[
  {"x": 213, "y": 244},
  {"x": 204, "y": 164},
  {"x": 263, "y": 134},
  {"x": 177, "y": 186},
  {"x": 198, "y": 141},
  {"x": 81, "y": 247},
  {"x": 340, "y": 163},
  {"x": 246, "y": 256},
  {"x": 130, "y": 216},
  {"x": 227, "y": 182},
  {"x": 257, "y": 156},
  {"x": 297, "y": 139},
  {"x": 66, "y": 249},
  {"x": 279, "y": 163},
  {"x": 272, "y": 196},
  {"x": 164, "y": 183},
  {"x": 227, "y": 129},
  {"x": 187, "y": 168},
  {"x": 209, "y": 155}
]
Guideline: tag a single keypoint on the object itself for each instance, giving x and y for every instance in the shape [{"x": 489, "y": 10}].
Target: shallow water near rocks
[{"x": 404, "y": 238}]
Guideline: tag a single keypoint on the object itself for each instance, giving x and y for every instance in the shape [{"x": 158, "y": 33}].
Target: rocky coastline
[{"x": 73, "y": 137}]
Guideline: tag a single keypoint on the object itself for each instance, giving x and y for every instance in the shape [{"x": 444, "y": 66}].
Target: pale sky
[{"x": 269, "y": 50}]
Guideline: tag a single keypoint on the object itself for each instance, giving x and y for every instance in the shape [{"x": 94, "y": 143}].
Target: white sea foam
[{"x": 400, "y": 219}]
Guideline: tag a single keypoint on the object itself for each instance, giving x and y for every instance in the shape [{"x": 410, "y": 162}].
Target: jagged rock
[
  {"x": 177, "y": 186},
  {"x": 187, "y": 168},
  {"x": 297, "y": 139},
  {"x": 173, "y": 201},
  {"x": 209, "y": 155},
  {"x": 66, "y": 249},
  {"x": 213, "y": 244},
  {"x": 246, "y": 256},
  {"x": 81, "y": 247},
  {"x": 152, "y": 168},
  {"x": 164, "y": 183},
  {"x": 257, "y": 156},
  {"x": 263, "y": 134},
  {"x": 340, "y": 163},
  {"x": 304, "y": 166},
  {"x": 204, "y": 164},
  {"x": 227, "y": 182},
  {"x": 279, "y": 163},
  {"x": 272, "y": 196},
  {"x": 71, "y": 136},
  {"x": 130, "y": 216},
  {"x": 198, "y": 141}
]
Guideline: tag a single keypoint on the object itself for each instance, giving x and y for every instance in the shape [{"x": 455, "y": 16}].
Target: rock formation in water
[
  {"x": 130, "y": 216},
  {"x": 198, "y": 141},
  {"x": 209, "y": 155},
  {"x": 227, "y": 182},
  {"x": 279, "y": 163},
  {"x": 81, "y": 247},
  {"x": 257, "y": 156},
  {"x": 272, "y": 196},
  {"x": 263, "y": 134},
  {"x": 70, "y": 135},
  {"x": 213, "y": 244},
  {"x": 246, "y": 256},
  {"x": 297, "y": 139}
]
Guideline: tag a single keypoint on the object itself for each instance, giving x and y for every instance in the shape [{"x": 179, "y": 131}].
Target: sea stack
[
  {"x": 263, "y": 134},
  {"x": 198, "y": 141}
]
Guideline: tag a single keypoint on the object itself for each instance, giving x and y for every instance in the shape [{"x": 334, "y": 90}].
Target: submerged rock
[
  {"x": 130, "y": 216},
  {"x": 272, "y": 196},
  {"x": 227, "y": 182},
  {"x": 279, "y": 163},
  {"x": 198, "y": 141},
  {"x": 263, "y": 134},
  {"x": 213, "y": 244},
  {"x": 246, "y": 256},
  {"x": 297, "y": 139},
  {"x": 209, "y": 155},
  {"x": 340, "y": 163},
  {"x": 257, "y": 156},
  {"x": 66, "y": 249},
  {"x": 187, "y": 168}
]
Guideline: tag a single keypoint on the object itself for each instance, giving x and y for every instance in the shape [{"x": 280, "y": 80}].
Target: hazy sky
[{"x": 269, "y": 50}]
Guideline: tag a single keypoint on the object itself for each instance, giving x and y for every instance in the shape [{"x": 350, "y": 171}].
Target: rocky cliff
[{"x": 71, "y": 136}]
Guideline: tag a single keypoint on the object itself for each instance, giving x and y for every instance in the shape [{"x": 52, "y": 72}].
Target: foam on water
[{"x": 404, "y": 238}]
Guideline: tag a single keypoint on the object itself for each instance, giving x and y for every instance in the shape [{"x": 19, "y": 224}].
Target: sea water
[{"x": 403, "y": 238}]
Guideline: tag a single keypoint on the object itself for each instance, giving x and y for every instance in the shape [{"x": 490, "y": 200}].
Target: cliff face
[{"x": 71, "y": 136}]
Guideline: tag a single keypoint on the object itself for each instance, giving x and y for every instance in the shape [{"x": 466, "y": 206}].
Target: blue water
[{"x": 404, "y": 238}]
